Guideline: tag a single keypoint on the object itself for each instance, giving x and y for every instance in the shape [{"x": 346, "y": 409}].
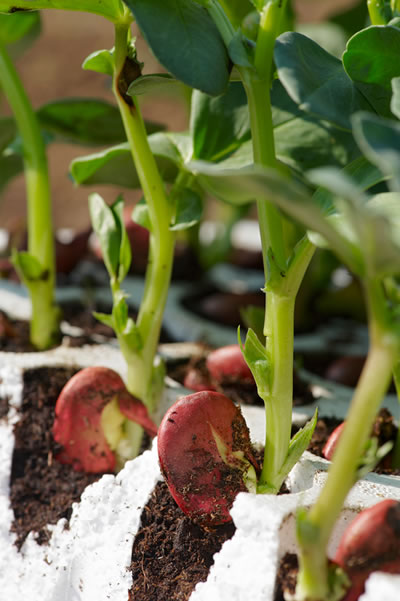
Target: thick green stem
[
  {"x": 278, "y": 404},
  {"x": 162, "y": 240},
  {"x": 313, "y": 537},
  {"x": 45, "y": 316},
  {"x": 281, "y": 293}
]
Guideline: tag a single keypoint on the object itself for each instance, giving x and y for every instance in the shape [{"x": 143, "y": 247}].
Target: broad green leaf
[
  {"x": 363, "y": 174},
  {"x": 302, "y": 141},
  {"x": 28, "y": 266},
  {"x": 395, "y": 104},
  {"x": 86, "y": 121},
  {"x": 379, "y": 139},
  {"x": 239, "y": 52},
  {"x": 83, "y": 121},
  {"x": 10, "y": 166},
  {"x": 219, "y": 125},
  {"x": 16, "y": 26},
  {"x": 107, "y": 231},
  {"x": 372, "y": 61},
  {"x": 248, "y": 183},
  {"x": 110, "y": 9},
  {"x": 125, "y": 255},
  {"x": 185, "y": 40},
  {"x": 115, "y": 165},
  {"x": 316, "y": 80},
  {"x": 189, "y": 209},
  {"x": 146, "y": 84},
  {"x": 8, "y": 131},
  {"x": 371, "y": 223},
  {"x": 100, "y": 61}
]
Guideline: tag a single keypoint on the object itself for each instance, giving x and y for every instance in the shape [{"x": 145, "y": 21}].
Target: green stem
[
  {"x": 313, "y": 583},
  {"x": 376, "y": 9},
  {"x": 45, "y": 316},
  {"x": 280, "y": 294},
  {"x": 278, "y": 403},
  {"x": 162, "y": 240}
]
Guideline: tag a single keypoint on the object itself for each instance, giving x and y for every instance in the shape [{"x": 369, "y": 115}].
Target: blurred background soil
[{"x": 51, "y": 69}]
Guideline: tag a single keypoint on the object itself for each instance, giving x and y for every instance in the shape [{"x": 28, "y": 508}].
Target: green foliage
[
  {"x": 257, "y": 359},
  {"x": 379, "y": 139},
  {"x": 110, "y": 9},
  {"x": 83, "y": 121},
  {"x": 100, "y": 61},
  {"x": 189, "y": 209},
  {"x": 147, "y": 84},
  {"x": 372, "y": 60},
  {"x": 107, "y": 222},
  {"x": 18, "y": 31},
  {"x": 219, "y": 125},
  {"x": 28, "y": 267},
  {"x": 316, "y": 80},
  {"x": 185, "y": 40},
  {"x": 115, "y": 165}
]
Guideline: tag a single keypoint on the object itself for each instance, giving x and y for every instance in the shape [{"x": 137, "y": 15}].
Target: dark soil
[
  {"x": 42, "y": 490},
  {"x": 286, "y": 577},
  {"x": 4, "y": 407},
  {"x": 171, "y": 554},
  {"x": 14, "y": 334}
]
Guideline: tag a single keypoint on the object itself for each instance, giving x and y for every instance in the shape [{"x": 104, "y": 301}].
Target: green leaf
[
  {"x": 185, "y": 40},
  {"x": 395, "y": 103},
  {"x": 372, "y": 61},
  {"x": 256, "y": 357},
  {"x": 243, "y": 185},
  {"x": 107, "y": 231},
  {"x": 298, "y": 445},
  {"x": 131, "y": 336},
  {"x": 303, "y": 141},
  {"x": 104, "y": 318},
  {"x": 110, "y": 9},
  {"x": 219, "y": 125},
  {"x": 363, "y": 174},
  {"x": 120, "y": 312},
  {"x": 115, "y": 165},
  {"x": 238, "y": 51},
  {"x": 316, "y": 80},
  {"x": 28, "y": 267},
  {"x": 16, "y": 26},
  {"x": 189, "y": 209},
  {"x": 379, "y": 139},
  {"x": 125, "y": 255},
  {"x": 147, "y": 84},
  {"x": 10, "y": 166},
  {"x": 100, "y": 61},
  {"x": 83, "y": 121},
  {"x": 140, "y": 214},
  {"x": 8, "y": 131},
  {"x": 371, "y": 223}
]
